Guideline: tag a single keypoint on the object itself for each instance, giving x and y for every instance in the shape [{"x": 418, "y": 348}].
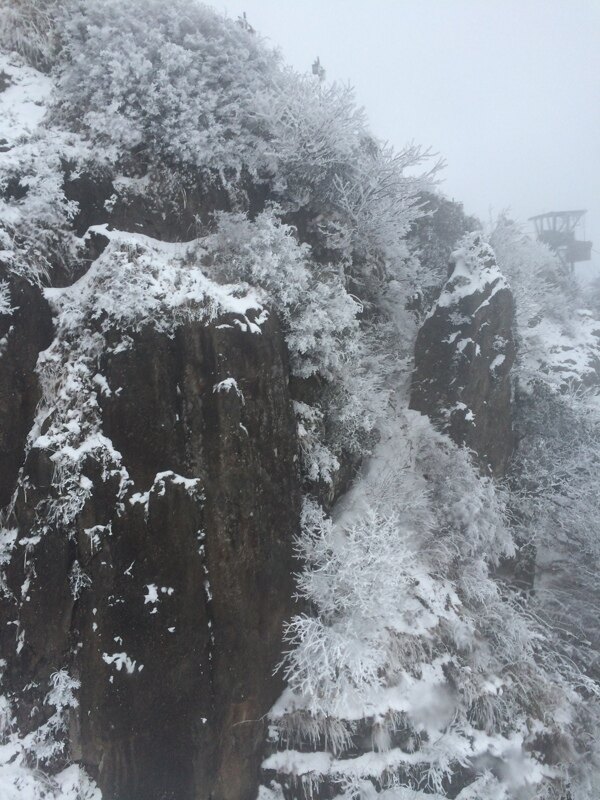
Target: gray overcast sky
[{"x": 507, "y": 91}]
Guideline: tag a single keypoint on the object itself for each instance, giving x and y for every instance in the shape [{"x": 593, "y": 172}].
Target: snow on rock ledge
[{"x": 139, "y": 281}]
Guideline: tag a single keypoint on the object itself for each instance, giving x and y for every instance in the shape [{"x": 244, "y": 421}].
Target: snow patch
[
  {"x": 122, "y": 661},
  {"x": 23, "y": 102},
  {"x": 229, "y": 385}
]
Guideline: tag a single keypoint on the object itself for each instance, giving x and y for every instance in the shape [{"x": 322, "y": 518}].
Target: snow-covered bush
[
  {"x": 35, "y": 215},
  {"x": 558, "y": 339},
  {"x": 329, "y": 158},
  {"x": 319, "y": 314},
  {"x": 317, "y": 133},
  {"x": 354, "y": 195},
  {"x": 35, "y": 234},
  {"x": 410, "y": 632},
  {"x": 176, "y": 80},
  {"x": 5, "y": 303},
  {"x": 555, "y": 503},
  {"x": 542, "y": 286},
  {"x": 593, "y": 296},
  {"x": 341, "y": 655},
  {"x": 22, "y": 756}
]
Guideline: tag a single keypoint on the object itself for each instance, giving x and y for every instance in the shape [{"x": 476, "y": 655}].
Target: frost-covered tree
[
  {"x": 553, "y": 480},
  {"x": 543, "y": 287},
  {"x": 555, "y": 491},
  {"x": 557, "y": 343},
  {"x": 413, "y": 653},
  {"x": 175, "y": 80}
]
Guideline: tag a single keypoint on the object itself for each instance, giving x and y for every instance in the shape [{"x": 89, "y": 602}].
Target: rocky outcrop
[
  {"x": 25, "y": 330},
  {"x": 166, "y": 599},
  {"x": 167, "y": 204},
  {"x": 463, "y": 356}
]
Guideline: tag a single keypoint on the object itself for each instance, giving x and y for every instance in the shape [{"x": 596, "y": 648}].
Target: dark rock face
[
  {"x": 166, "y": 204},
  {"x": 167, "y": 601},
  {"x": 463, "y": 356},
  {"x": 23, "y": 334}
]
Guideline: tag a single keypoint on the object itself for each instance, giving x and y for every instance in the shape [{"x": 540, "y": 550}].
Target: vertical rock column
[
  {"x": 25, "y": 330},
  {"x": 463, "y": 356},
  {"x": 167, "y": 597}
]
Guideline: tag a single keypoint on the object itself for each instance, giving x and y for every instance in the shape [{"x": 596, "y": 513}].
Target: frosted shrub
[
  {"x": 407, "y": 616},
  {"x": 319, "y": 314},
  {"x": 264, "y": 252},
  {"x": 554, "y": 481},
  {"x": 353, "y": 188},
  {"x": 323, "y": 335},
  {"x": 5, "y": 303},
  {"x": 34, "y": 213},
  {"x": 339, "y": 656},
  {"x": 318, "y": 462},
  {"x": 317, "y": 132},
  {"x": 470, "y": 510},
  {"x": 381, "y": 201},
  {"x": 78, "y": 580},
  {"x": 62, "y": 691},
  {"x": 540, "y": 283},
  {"x": 555, "y": 497},
  {"x": 176, "y": 79},
  {"x": 434, "y": 236}
]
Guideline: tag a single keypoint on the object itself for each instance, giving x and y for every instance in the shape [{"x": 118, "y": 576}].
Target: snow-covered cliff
[{"x": 261, "y": 508}]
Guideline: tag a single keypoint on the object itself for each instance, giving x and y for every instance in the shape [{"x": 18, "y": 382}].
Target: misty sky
[{"x": 507, "y": 91}]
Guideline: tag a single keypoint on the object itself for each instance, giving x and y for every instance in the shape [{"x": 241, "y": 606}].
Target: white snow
[
  {"x": 19, "y": 782},
  {"x": 561, "y": 354},
  {"x": 475, "y": 271},
  {"x": 8, "y": 537},
  {"x": 23, "y": 103},
  {"x": 497, "y": 362},
  {"x": 159, "y": 487},
  {"x": 152, "y": 594},
  {"x": 5, "y": 301},
  {"x": 102, "y": 384},
  {"x": 229, "y": 385},
  {"x": 140, "y": 281},
  {"x": 122, "y": 660}
]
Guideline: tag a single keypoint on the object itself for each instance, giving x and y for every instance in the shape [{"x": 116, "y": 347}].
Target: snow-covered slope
[
  {"x": 406, "y": 678},
  {"x": 23, "y": 100}
]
